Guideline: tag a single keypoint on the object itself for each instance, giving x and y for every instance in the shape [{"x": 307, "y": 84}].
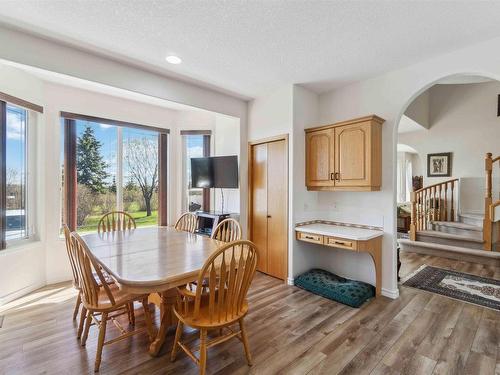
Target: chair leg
[
  {"x": 203, "y": 351},
  {"x": 131, "y": 314},
  {"x": 147, "y": 318},
  {"x": 77, "y": 305},
  {"x": 88, "y": 321},
  {"x": 178, "y": 334},
  {"x": 83, "y": 315},
  {"x": 100, "y": 342},
  {"x": 244, "y": 338}
]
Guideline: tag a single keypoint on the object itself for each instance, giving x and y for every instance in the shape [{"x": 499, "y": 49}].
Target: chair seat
[
  {"x": 203, "y": 320},
  {"x": 121, "y": 299},
  {"x": 109, "y": 280}
]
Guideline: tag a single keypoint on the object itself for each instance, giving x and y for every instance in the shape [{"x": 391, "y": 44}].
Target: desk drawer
[
  {"x": 340, "y": 243},
  {"x": 308, "y": 237}
]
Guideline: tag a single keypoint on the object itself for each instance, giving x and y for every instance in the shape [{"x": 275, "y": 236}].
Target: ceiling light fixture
[{"x": 173, "y": 59}]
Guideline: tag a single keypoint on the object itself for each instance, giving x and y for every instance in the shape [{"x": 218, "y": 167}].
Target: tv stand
[{"x": 208, "y": 220}]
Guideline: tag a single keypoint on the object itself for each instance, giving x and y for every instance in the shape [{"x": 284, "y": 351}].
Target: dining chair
[
  {"x": 116, "y": 221},
  {"x": 228, "y": 230},
  {"x": 188, "y": 222},
  {"x": 229, "y": 271},
  {"x": 104, "y": 303},
  {"x": 76, "y": 281}
]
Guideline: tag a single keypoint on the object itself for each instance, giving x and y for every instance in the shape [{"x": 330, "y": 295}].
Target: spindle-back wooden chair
[
  {"x": 229, "y": 271},
  {"x": 76, "y": 281},
  {"x": 228, "y": 230},
  {"x": 103, "y": 303},
  {"x": 116, "y": 221},
  {"x": 188, "y": 222}
]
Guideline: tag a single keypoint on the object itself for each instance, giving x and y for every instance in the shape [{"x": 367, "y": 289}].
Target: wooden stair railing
[
  {"x": 489, "y": 161},
  {"x": 432, "y": 203}
]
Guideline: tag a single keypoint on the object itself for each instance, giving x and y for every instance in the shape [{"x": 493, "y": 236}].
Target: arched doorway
[{"x": 443, "y": 130}]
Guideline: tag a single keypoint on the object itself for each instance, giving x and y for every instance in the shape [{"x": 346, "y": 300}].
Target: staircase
[{"x": 437, "y": 229}]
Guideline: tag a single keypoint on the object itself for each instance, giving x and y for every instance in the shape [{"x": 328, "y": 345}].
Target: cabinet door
[
  {"x": 320, "y": 158},
  {"x": 277, "y": 209},
  {"x": 352, "y": 155},
  {"x": 259, "y": 203}
]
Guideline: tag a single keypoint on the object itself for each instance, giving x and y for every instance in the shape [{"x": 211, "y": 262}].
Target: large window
[
  {"x": 16, "y": 152},
  {"x": 195, "y": 144},
  {"x": 109, "y": 165}
]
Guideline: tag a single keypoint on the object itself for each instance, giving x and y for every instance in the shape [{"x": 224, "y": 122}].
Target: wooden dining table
[{"x": 152, "y": 260}]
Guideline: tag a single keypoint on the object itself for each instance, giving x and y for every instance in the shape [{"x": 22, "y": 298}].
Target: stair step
[
  {"x": 453, "y": 252},
  {"x": 473, "y": 237},
  {"x": 455, "y": 227},
  {"x": 473, "y": 240},
  {"x": 472, "y": 219}
]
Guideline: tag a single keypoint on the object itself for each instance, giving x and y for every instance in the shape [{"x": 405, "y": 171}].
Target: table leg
[
  {"x": 168, "y": 318},
  {"x": 376, "y": 254},
  {"x": 374, "y": 248}
]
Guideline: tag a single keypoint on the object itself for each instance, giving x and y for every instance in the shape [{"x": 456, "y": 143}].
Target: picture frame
[{"x": 439, "y": 165}]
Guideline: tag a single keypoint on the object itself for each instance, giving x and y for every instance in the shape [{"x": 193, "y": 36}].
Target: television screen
[
  {"x": 225, "y": 171},
  {"x": 202, "y": 174},
  {"x": 215, "y": 172}
]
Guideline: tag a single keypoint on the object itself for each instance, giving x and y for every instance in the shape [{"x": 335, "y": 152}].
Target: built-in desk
[{"x": 352, "y": 238}]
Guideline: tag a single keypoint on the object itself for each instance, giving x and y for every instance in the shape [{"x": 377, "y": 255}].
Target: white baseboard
[
  {"x": 289, "y": 281},
  {"x": 390, "y": 293},
  {"x": 20, "y": 293}
]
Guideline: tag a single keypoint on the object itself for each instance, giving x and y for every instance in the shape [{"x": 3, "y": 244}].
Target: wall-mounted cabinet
[{"x": 345, "y": 156}]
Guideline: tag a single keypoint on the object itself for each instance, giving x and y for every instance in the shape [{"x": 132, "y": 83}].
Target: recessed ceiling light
[{"x": 173, "y": 59}]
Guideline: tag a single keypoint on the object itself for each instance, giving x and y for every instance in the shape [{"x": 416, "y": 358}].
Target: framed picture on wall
[{"x": 439, "y": 165}]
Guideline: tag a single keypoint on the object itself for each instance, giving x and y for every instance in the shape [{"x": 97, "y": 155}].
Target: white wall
[
  {"x": 464, "y": 122},
  {"x": 271, "y": 114}
]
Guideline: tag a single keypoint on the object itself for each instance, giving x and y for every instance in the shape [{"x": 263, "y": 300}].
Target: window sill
[{"x": 20, "y": 245}]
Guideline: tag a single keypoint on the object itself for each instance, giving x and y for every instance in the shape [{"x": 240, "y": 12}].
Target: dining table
[{"x": 152, "y": 260}]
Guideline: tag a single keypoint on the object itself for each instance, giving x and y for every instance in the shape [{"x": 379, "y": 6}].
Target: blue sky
[
  {"x": 15, "y": 150},
  {"x": 107, "y": 135}
]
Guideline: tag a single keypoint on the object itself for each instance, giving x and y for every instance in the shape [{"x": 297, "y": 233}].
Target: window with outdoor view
[
  {"x": 17, "y": 179},
  {"x": 117, "y": 169},
  {"x": 195, "y": 144},
  {"x": 17, "y": 119}
]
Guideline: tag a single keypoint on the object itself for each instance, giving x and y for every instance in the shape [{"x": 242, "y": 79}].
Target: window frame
[
  {"x": 207, "y": 137},
  {"x": 70, "y": 204},
  {"x": 30, "y": 169}
]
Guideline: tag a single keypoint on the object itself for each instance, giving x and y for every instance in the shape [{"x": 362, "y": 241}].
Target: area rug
[{"x": 478, "y": 290}]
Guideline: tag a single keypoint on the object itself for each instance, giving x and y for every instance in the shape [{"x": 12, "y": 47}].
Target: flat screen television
[{"x": 215, "y": 172}]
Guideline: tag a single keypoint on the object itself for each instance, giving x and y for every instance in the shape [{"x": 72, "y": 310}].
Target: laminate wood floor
[{"x": 291, "y": 332}]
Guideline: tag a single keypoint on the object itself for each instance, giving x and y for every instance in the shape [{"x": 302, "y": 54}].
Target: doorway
[{"x": 268, "y": 203}]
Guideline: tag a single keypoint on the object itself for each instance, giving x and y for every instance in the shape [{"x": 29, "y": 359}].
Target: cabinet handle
[
  {"x": 332, "y": 176},
  {"x": 337, "y": 176},
  {"x": 309, "y": 237},
  {"x": 268, "y": 216}
]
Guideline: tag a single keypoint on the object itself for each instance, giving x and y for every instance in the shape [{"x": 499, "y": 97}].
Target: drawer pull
[
  {"x": 310, "y": 238},
  {"x": 341, "y": 243}
]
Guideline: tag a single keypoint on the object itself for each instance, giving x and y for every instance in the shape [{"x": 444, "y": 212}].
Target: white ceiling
[{"x": 248, "y": 48}]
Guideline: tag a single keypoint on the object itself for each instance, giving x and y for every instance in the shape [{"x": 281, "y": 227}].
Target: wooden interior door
[
  {"x": 277, "y": 196},
  {"x": 268, "y": 206},
  {"x": 320, "y": 158},
  {"x": 352, "y": 155},
  {"x": 258, "y": 209}
]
